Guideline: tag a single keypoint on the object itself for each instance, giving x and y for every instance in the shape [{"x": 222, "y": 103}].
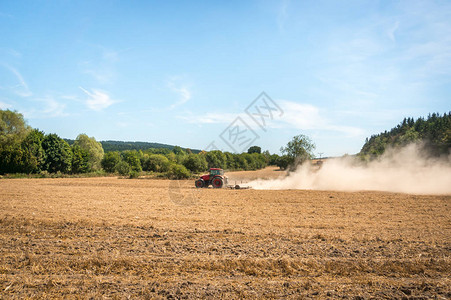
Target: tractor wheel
[
  {"x": 199, "y": 183},
  {"x": 217, "y": 182}
]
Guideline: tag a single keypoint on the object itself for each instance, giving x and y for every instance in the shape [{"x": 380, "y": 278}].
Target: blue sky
[{"x": 181, "y": 72}]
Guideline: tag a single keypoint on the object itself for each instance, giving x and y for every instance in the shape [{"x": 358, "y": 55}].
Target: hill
[
  {"x": 109, "y": 146},
  {"x": 434, "y": 132}
]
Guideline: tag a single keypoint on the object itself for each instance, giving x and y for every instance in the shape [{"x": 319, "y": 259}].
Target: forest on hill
[
  {"x": 109, "y": 146},
  {"x": 434, "y": 132}
]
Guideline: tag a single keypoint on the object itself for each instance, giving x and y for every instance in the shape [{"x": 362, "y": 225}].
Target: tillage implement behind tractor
[{"x": 217, "y": 179}]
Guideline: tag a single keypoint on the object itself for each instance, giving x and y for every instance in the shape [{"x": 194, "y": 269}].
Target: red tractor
[{"x": 216, "y": 178}]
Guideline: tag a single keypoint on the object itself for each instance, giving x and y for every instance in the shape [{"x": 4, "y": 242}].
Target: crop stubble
[{"x": 111, "y": 237}]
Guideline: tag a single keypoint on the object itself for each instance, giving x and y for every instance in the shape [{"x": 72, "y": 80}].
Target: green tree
[
  {"x": 216, "y": 159},
  {"x": 251, "y": 162},
  {"x": 144, "y": 162},
  {"x": 178, "y": 150},
  {"x": 433, "y": 132},
  {"x": 409, "y": 136},
  {"x": 156, "y": 163},
  {"x": 240, "y": 162},
  {"x": 231, "y": 161},
  {"x": 273, "y": 158},
  {"x": 260, "y": 160},
  {"x": 123, "y": 168},
  {"x": 254, "y": 149},
  {"x": 58, "y": 154},
  {"x": 80, "y": 160},
  {"x": 299, "y": 149},
  {"x": 110, "y": 161},
  {"x": 171, "y": 157},
  {"x": 92, "y": 148},
  {"x": 195, "y": 163},
  {"x": 177, "y": 171},
  {"x": 132, "y": 158},
  {"x": 267, "y": 156},
  {"x": 11, "y": 159},
  {"x": 34, "y": 159},
  {"x": 283, "y": 162},
  {"x": 13, "y": 128},
  {"x": 26, "y": 157}
]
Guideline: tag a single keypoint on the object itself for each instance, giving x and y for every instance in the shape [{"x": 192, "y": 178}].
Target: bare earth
[{"x": 140, "y": 238}]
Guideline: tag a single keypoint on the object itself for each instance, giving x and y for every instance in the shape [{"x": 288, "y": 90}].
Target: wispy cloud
[
  {"x": 301, "y": 116},
  {"x": 98, "y": 100},
  {"x": 282, "y": 14},
  {"x": 53, "y": 107},
  {"x": 181, "y": 90},
  {"x": 19, "y": 86},
  {"x": 102, "y": 67},
  {"x": 48, "y": 107},
  {"x": 10, "y": 52},
  {"x": 209, "y": 118},
  {"x": 24, "y": 91},
  {"x": 392, "y": 30},
  {"x": 102, "y": 76},
  {"x": 296, "y": 116},
  {"x": 122, "y": 124},
  {"x": 309, "y": 117},
  {"x": 389, "y": 67},
  {"x": 110, "y": 55},
  {"x": 366, "y": 59}
]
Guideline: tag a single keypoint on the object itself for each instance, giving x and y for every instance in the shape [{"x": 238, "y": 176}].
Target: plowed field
[{"x": 141, "y": 238}]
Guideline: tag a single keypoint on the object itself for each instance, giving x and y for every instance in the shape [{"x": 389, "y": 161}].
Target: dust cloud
[{"x": 405, "y": 170}]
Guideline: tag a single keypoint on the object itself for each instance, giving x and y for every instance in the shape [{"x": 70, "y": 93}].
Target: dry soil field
[{"x": 140, "y": 238}]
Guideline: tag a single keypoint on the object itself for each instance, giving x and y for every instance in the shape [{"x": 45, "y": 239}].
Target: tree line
[
  {"x": 434, "y": 132},
  {"x": 109, "y": 146},
  {"x": 179, "y": 163},
  {"x": 31, "y": 151}
]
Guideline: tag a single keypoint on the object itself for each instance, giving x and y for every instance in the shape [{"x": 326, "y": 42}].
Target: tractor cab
[{"x": 216, "y": 171}]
